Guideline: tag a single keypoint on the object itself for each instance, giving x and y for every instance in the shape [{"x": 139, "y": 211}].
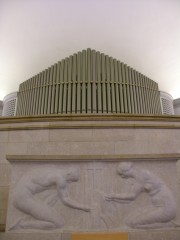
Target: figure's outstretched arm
[
  {"x": 70, "y": 203},
  {"x": 125, "y": 197}
]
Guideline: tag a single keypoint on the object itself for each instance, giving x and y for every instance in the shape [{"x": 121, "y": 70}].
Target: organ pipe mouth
[{"x": 88, "y": 82}]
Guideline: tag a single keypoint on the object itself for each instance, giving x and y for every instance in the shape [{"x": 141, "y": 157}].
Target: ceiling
[{"x": 144, "y": 34}]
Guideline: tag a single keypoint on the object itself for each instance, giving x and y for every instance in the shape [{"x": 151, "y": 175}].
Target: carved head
[
  {"x": 73, "y": 175},
  {"x": 125, "y": 169}
]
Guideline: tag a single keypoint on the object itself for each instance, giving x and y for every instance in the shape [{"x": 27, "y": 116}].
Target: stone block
[
  {"x": 70, "y": 135},
  {"x": 5, "y": 171},
  {"x": 16, "y": 148},
  {"x": 155, "y": 235},
  {"x": 3, "y": 152},
  {"x": 93, "y": 148},
  {"x": 50, "y": 148},
  {"x": 113, "y": 135},
  {"x": 4, "y": 136},
  {"x": 4, "y": 192},
  {"x": 29, "y": 136},
  {"x": 66, "y": 236},
  {"x": 30, "y": 236}
]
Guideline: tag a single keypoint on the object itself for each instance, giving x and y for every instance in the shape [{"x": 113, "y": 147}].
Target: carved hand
[
  {"x": 116, "y": 198},
  {"x": 110, "y": 197},
  {"x": 86, "y": 209}
]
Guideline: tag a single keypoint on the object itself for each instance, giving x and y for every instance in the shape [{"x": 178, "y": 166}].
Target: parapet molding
[
  {"x": 89, "y": 122},
  {"x": 89, "y": 117},
  {"x": 131, "y": 157}
]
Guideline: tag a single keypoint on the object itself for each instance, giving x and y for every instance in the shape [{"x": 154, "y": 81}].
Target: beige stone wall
[{"x": 84, "y": 136}]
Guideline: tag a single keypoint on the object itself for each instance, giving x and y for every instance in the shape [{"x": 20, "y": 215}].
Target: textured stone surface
[
  {"x": 92, "y": 148},
  {"x": 155, "y": 235},
  {"x": 29, "y": 136},
  {"x": 66, "y": 236},
  {"x": 98, "y": 182},
  {"x": 70, "y": 135},
  {"x": 135, "y": 139},
  {"x": 4, "y": 136},
  {"x": 30, "y": 236},
  {"x": 18, "y": 148},
  {"x": 63, "y": 148}
]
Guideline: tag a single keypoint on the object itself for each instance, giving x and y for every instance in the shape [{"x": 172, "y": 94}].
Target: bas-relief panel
[{"x": 94, "y": 196}]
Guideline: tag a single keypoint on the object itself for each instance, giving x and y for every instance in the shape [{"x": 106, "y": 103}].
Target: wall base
[{"x": 134, "y": 235}]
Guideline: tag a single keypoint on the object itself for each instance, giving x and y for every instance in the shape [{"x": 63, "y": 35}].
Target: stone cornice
[
  {"x": 90, "y": 117},
  {"x": 120, "y": 157}
]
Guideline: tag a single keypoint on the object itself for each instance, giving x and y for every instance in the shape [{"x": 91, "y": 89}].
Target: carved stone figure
[
  {"x": 37, "y": 181},
  {"x": 163, "y": 208}
]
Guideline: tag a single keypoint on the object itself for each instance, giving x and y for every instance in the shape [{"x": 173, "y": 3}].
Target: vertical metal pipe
[
  {"x": 43, "y": 91},
  {"x": 18, "y": 102},
  {"x": 89, "y": 80},
  {"x": 127, "y": 88},
  {"x": 61, "y": 87},
  {"x": 74, "y": 84},
  {"x": 22, "y": 99},
  {"x": 148, "y": 94},
  {"x": 116, "y": 82},
  {"x": 27, "y": 97},
  {"x": 108, "y": 87},
  {"x": 83, "y": 62},
  {"x": 93, "y": 80},
  {"x": 79, "y": 100},
  {"x": 121, "y": 94},
  {"x": 144, "y": 95},
  {"x": 40, "y": 92},
  {"x": 50, "y": 79},
  {"x": 134, "y": 91},
  {"x": 53, "y": 88},
  {"x": 113, "y": 97},
  {"x": 69, "y": 100},
  {"x": 158, "y": 106},
  {"x": 99, "y": 85},
  {"x": 28, "y": 93},
  {"x": 65, "y": 86},
  {"x": 152, "y": 96},
  {"x": 103, "y": 76},
  {"x": 57, "y": 82},
  {"x": 137, "y": 91},
  {"x": 27, "y": 109},
  {"x": 131, "y": 89},
  {"x": 36, "y": 95},
  {"x": 124, "y": 88},
  {"x": 140, "y": 92},
  {"x": 156, "y": 103},
  {"x": 47, "y": 91}
]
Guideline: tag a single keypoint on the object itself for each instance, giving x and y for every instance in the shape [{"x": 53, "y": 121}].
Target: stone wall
[{"x": 110, "y": 137}]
